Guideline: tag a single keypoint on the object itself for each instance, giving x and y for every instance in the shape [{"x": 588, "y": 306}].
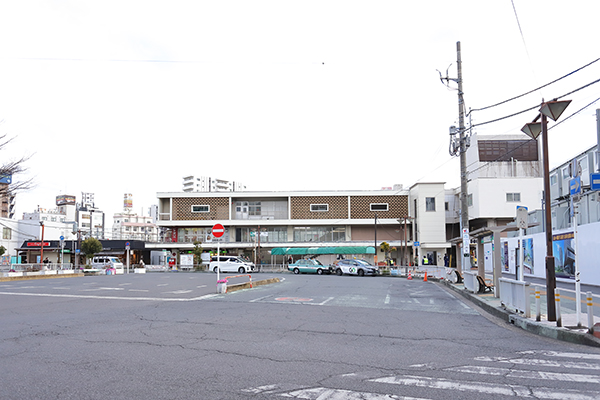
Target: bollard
[
  {"x": 590, "y": 311},
  {"x": 557, "y": 301},
  {"x": 538, "y": 307}
]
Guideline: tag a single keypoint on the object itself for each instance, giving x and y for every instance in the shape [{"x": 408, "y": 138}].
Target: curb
[
  {"x": 34, "y": 277},
  {"x": 538, "y": 328},
  {"x": 239, "y": 286}
]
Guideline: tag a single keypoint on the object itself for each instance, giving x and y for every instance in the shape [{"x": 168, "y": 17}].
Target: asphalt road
[{"x": 169, "y": 336}]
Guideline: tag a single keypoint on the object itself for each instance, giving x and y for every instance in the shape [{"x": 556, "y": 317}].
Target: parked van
[
  {"x": 231, "y": 264},
  {"x": 104, "y": 262}
]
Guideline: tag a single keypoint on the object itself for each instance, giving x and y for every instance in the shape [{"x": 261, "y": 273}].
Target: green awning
[{"x": 323, "y": 250}]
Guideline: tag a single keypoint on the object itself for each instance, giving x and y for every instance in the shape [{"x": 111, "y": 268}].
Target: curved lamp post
[{"x": 553, "y": 110}]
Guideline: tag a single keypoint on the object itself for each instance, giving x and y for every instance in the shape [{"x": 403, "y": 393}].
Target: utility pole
[
  {"x": 459, "y": 146},
  {"x": 464, "y": 206}
]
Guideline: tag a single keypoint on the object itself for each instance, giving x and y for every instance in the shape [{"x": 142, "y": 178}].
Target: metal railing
[{"x": 589, "y": 298}]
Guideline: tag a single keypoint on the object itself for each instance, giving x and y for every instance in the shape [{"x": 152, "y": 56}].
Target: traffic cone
[
  {"x": 425, "y": 278},
  {"x": 409, "y": 276}
]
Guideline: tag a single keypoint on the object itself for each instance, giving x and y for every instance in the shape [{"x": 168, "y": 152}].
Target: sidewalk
[{"x": 568, "y": 332}]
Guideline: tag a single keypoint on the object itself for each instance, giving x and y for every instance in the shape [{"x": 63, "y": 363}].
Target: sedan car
[
  {"x": 355, "y": 267},
  {"x": 309, "y": 267}
]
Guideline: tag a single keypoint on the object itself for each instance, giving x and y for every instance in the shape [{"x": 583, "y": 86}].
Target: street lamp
[{"x": 553, "y": 110}]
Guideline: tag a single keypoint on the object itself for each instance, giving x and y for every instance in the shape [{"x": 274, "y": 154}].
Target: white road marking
[
  {"x": 261, "y": 389},
  {"x": 489, "y": 388},
  {"x": 544, "y": 363},
  {"x": 565, "y": 355},
  {"x": 201, "y": 286},
  {"x": 61, "y": 288},
  {"x": 75, "y": 296},
  {"x": 124, "y": 284},
  {"x": 101, "y": 288},
  {"x": 178, "y": 292},
  {"x": 387, "y": 299},
  {"x": 326, "y": 301},
  {"x": 321, "y": 393},
  {"x": 524, "y": 374},
  {"x": 259, "y": 299},
  {"x": 162, "y": 284},
  {"x": 138, "y": 290}
]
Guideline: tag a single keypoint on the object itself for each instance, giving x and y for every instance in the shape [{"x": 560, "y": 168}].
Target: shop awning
[{"x": 322, "y": 250}]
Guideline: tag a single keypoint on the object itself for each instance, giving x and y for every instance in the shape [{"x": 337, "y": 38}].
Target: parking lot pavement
[{"x": 154, "y": 286}]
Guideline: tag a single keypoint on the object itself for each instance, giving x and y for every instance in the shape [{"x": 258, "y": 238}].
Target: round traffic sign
[{"x": 218, "y": 230}]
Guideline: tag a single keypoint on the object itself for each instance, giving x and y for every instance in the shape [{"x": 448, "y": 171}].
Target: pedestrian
[
  {"x": 425, "y": 260},
  {"x": 46, "y": 261},
  {"x": 446, "y": 260}
]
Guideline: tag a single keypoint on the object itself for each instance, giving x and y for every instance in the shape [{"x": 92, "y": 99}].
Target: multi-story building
[
  {"x": 258, "y": 222},
  {"x": 208, "y": 184},
  {"x": 130, "y": 226}
]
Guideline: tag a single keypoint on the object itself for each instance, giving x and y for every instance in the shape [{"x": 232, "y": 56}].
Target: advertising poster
[
  {"x": 564, "y": 255},
  {"x": 504, "y": 256},
  {"x": 528, "y": 256}
]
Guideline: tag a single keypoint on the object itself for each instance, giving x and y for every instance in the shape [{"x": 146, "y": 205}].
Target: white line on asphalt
[
  {"x": 125, "y": 284},
  {"x": 201, "y": 286},
  {"x": 101, "y": 288},
  {"x": 544, "y": 363},
  {"x": 259, "y": 299},
  {"x": 322, "y": 393},
  {"x": 560, "y": 354},
  {"x": 178, "y": 292},
  {"x": 162, "y": 284},
  {"x": 387, "y": 299},
  {"x": 489, "y": 388},
  {"x": 74, "y": 296},
  {"x": 524, "y": 374},
  {"x": 61, "y": 288},
  {"x": 326, "y": 301},
  {"x": 138, "y": 290}
]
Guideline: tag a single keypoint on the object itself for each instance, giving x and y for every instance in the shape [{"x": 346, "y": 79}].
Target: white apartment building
[
  {"x": 194, "y": 183},
  {"x": 130, "y": 226}
]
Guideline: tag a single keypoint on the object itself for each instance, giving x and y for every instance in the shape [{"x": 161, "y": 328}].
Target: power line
[
  {"x": 531, "y": 91},
  {"x": 534, "y": 107}
]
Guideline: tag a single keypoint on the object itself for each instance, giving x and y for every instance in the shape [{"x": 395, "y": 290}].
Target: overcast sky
[{"x": 115, "y": 97}]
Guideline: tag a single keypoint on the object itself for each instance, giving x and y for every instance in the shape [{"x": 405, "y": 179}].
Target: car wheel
[
  {"x": 241, "y": 270},
  {"x": 338, "y": 272},
  {"x": 215, "y": 269},
  {"x": 296, "y": 271},
  {"x": 361, "y": 272},
  {"x": 319, "y": 271}
]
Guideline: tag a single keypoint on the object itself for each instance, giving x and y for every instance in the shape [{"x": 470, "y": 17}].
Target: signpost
[
  {"x": 127, "y": 247},
  {"x": 595, "y": 181},
  {"x": 62, "y": 251},
  {"x": 218, "y": 230},
  {"x": 522, "y": 224}
]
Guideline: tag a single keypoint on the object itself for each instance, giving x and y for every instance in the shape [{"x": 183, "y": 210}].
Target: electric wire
[
  {"x": 534, "y": 107},
  {"x": 531, "y": 91}
]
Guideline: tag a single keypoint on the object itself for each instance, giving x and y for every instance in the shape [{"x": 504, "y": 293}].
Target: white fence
[{"x": 515, "y": 294}]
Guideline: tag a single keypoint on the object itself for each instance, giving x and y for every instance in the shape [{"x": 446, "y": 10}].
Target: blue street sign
[
  {"x": 6, "y": 179},
  {"x": 595, "y": 181},
  {"x": 416, "y": 244},
  {"x": 575, "y": 186},
  {"x": 62, "y": 238}
]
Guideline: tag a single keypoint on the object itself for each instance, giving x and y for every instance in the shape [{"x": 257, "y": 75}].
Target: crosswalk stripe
[
  {"x": 543, "y": 363},
  {"x": 524, "y": 374},
  {"x": 561, "y": 354},
  {"x": 489, "y": 388},
  {"x": 322, "y": 393}
]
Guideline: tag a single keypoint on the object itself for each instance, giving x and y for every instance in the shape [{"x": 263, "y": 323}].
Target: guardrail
[
  {"x": 470, "y": 281},
  {"x": 515, "y": 294},
  {"x": 36, "y": 267},
  {"x": 589, "y": 297}
]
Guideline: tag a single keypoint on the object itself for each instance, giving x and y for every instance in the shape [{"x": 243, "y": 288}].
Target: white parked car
[
  {"x": 231, "y": 264},
  {"x": 355, "y": 267},
  {"x": 104, "y": 262}
]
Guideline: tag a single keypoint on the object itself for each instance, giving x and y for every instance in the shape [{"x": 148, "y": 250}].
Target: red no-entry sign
[{"x": 218, "y": 230}]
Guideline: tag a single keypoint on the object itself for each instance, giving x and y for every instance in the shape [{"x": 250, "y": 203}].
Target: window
[
  {"x": 6, "y": 233},
  {"x": 566, "y": 173},
  {"x": 379, "y": 207},
  {"x": 513, "y": 197},
  {"x": 470, "y": 200},
  {"x": 446, "y": 207},
  {"x": 429, "y": 203},
  {"x": 319, "y": 207},
  {"x": 254, "y": 208},
  {"x": 201, "y": 208},
  {"x": 553, "y": 179}
]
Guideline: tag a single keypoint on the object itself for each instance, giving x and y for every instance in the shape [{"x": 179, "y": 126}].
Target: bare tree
[{"x": 12, "y": 168}]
